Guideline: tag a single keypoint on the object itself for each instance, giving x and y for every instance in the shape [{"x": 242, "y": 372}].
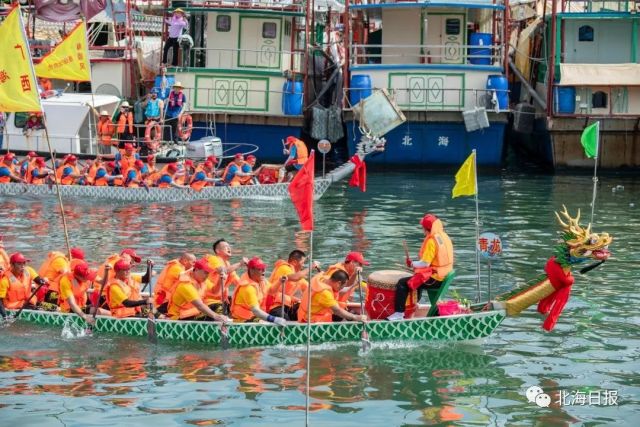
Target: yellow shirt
[
  {"x": 66, "y": 287},
  {"x": 322, "y": 300},
  {"x": 185, "y": 292},
  {"x": 59, "y": 266},
  {"x": 172, "y": 275},
  {"x": 429, "y": 252},
  {"x": 216, "y": 262},
  {"x": 117, "y": 295},
  {"x": 4, "y": 282},
  {"x": 247, "y": 296}
]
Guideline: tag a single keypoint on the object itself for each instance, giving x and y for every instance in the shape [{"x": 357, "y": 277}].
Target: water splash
[{"x": 71, "y": 330}]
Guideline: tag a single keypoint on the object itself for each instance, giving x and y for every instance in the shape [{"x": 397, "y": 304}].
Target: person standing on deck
[
  {"x": 168, "y": 280},
  {"x": 174, "y": 106},
  {"x": 16, "y": 283},
  {"x": 106, "y": 129},
  {"x": 248, "y": 302},
  {"x": 298, "y": 155},
  {"x": 324, "y": 305},
  {"x": 434, "y": 263},
  {"x": 177, "y": 24},
  {"x": 187, "y": 300},
  {"x": 125, "y": 129}
]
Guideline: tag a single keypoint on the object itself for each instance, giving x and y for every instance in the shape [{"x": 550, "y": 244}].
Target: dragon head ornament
[{"x": 580, "y": 244}]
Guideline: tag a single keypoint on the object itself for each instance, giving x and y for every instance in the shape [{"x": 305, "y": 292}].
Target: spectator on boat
[
  {"x": 168, "y": 280},
  {"x": 38, "y": 173},
  {"x": 8, "y": 170},
  {"x": 174, "y": 106},
  {"x": 16, "y": 284},
  {"x": 153, "y": 107},
  {"x": 352, "y": 265},
  {"x": 218, "y": 297},
  {"x": 324, "y": 305},
  {"x": 123, "y": 291},
  {"x": 298, "y": 155},
  {"x": 249, "y": 303},
  {"x": 292, "y": 274},
  {"x": 44, "y": 84},
  {"x": 74, "y": 286},
  {"x": 34, "y": 123},
  {"x": 125, "y": 125},
  {"x": 238, "y": 172},
  {"x": 105, "y": 128},
  {"x": 168, "y": 178},
  {"x": 68, "y": 173},
  {"x": 435, "y": 261},
  {"x": 177, "y": 24},
  {"x": 187, "y": 301}
]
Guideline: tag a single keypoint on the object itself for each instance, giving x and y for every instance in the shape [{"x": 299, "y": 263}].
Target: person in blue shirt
[
  {"x": 7, "y": 170},
  {"x": 167, "y": 179},
  {"x": 174, "y": 106}
]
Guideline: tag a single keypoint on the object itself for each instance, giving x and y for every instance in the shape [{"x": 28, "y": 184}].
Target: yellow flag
[
  {"x": 18, "y": 89},
  {"x": 69, "y": 60},
  {"x": 466, "y": 178}
]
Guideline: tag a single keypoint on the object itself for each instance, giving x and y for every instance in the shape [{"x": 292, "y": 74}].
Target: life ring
[
  {"x": 152, "y": 125},
  {"x": 185, "y": 126}
]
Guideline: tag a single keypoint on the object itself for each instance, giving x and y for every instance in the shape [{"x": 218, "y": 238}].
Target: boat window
[
  {"x": 585, "y": 33},
  {"x": 452, "y": 27},
  {"x": 599, "y": 100},
  {"x": 269, "y": 30},
  {"x": 223, "y": 23},
  {"x": 20, "y": 120}
]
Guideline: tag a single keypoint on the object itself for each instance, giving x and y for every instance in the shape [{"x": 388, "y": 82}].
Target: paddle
[
  {"x": 151, "y": 318},
  {"x": 283, "y": 281},
  {"x": 406, "y": 250},
  {"x": 364, "y": 336},
  {"x": 29, "y": 299},
  {"x": 224, "y": 332},
  {"x": 107, "y": 267},
  {"x": 588, "y": 268}
]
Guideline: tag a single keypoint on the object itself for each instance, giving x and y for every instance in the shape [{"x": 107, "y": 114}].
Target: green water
[{"x": 49, "y": 378}]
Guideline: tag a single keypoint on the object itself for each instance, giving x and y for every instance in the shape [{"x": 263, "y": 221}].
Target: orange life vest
[
  {"x": 198, "y": 185},
  {"x": 317, "y": 285},
  {"x": 102, "y": 181},
  {"x": 242, "y": 311},
  {"x": 4, "y": 260},
  {"x": 67, "y": 180},
  {"x": 131, "y": 291},
  {"x": 165, "y": 286},
  {"x": 46, "y": 270},
  {"x": 79, "y": 290},
  {"x": 274, "y": 298},
  {"x": 302, "y": 153},
  {"x": 19, "y": 290},
  {"x": 212, "y": 295},
  {"x": 187, "y": 309},
  {"x": 126, "y": 162},
  {"x": 131, "y": 184},
  {"x": 236, "y": 180},
  {"x": 91, "y": 173},
  {"x": 125, "y": 118},
  {"x": 442, "y": 264},
  {"x": 105, "y": 131},
  {"x": 111, "y": 261}
]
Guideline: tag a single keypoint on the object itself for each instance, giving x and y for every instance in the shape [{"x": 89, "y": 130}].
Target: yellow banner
[
  {"x": 18, "y": 89},
  {"x": 69, "y": 60},
  {"x": 466, "y": 178}
]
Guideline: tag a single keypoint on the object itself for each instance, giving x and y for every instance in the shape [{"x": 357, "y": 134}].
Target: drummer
[
  {"x": 352, "y": 265},
  {"x": 324, "y": 306},
  {"x": 434, "y": 263}
]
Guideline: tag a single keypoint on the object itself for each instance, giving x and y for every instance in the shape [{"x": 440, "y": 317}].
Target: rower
[
  {"x": 434, "y": 263},
  {"x": 237, "y": 172},
  {"x": 27, "y": 162},
  {"x": 248, "y": 302},
  {"x": 68, "y": 173},
  {"x": 37, "y": 172},
  {"x": 187, "y": 300},
  {"x": 294, "y": 272},
  {"x": 128, "y": 254},
  {"x": 324, "y": 305},
  {"x": 54, "y": 266},
  {"x": 73, "y": 290},
  {"x": 16, "y": 283},
  {"x": 352, "y": 265},
  {"x": 168, "y": 178},
  {"x": 132, "y": 177},
  {"x": 203, "y": 176},
  {"x": 8, "y": 170},
  {"x": 105, "y": 175},
  {"x": 168, "y": 280},
  {"x": 218, "y": 298},
  {"x": 123, "y": 291}
]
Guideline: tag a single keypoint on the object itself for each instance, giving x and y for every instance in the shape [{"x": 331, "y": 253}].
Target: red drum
[
  {"x": 381, "y": 296},
  {"x": 270, "y": 174}
]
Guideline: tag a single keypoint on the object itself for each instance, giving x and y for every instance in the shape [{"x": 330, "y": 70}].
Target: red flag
[
  {"x": 359, "y": 177},
  {"x": 301, "y": 191}
]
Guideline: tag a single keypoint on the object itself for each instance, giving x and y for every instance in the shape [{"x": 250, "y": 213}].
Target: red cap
[
  {"x": 112, "y": 165},
  {"x": 40, "y": 161},
  {"x": 128, "y": 146},
  {"x": 31, "y": 154},
  {"x": 9, "y": 156},
  {"x": 188, "y": 162},
  {"x": 212, "y": 159},
  {"x": 70, "y": 159},
  {"x": 172, "y": 167},
  {"x": 427, "y": 221},
  {"x": 132, "y": 253},
  {"x": 291, "y": 139},
  {"x": 202, "y": 264},
  {"x": 139, "y": 164},
  {"x": 357, "y": 257},
  {"x": 251, "y": 157},
  {"x": 151, "y": 157},
  {"x": 122, "y": 265},
  {"x": 18, "y": 257},
  {"x": 77, "y": 253},
  {"x": 256, "y": 263},
  {"x": 208, "y": 164},
  {"x": 239, "y": 156},
  {"x": 83, "y": 271}
]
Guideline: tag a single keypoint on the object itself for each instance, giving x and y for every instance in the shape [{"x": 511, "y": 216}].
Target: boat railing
[
  {"x": 250, "y": 59},
  {"x": 281, "y": 5},
  {"x": 618, "y": 102},
  {"x": 472, "y": 55},
  {"x": 579, "y": 6},
  {"x": 439, "y": 99}
]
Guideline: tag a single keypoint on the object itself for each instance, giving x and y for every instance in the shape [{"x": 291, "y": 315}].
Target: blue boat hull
[{"x": 436, "y": 144}]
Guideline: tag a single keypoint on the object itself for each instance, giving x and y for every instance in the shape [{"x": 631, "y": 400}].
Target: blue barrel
[
  {"x": 292, "y": 98},
  {"x": 564, "y": 99},
  {"x": 480, "y": 39},
  {"x": 499, "y": 84},
  {"x": 360, "y": 88}
]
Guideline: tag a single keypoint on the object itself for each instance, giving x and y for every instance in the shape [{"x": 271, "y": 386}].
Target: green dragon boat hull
[{"x": 446, "y": 328}]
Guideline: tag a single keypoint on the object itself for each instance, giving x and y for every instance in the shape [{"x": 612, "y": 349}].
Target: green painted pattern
[
  {"x": 428, "y": 92},
  {"x": 449, "y": 328}
]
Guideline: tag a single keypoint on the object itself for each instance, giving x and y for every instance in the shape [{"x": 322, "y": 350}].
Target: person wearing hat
[
  {"x": 125, "y": 157},
  {"x": 52, "y": 268},
  {"x": 237, "y": 172},
  {"x": 153, "y": 107},
  {"x": 203, "y": 175},
  {"x": 174, "y": 107},
  {"x": 129, "y": 255},
  {"x": 168, "y": 178},
  {"x": 16, "y": 284},
  {"x": 248, "y": 303},
  {"x": 132, "y": 177},
  {"x": 176, "y": 25},
  {"x": 187, "y": 301},
  {"x": 74, "y": 286},
  {"x": 68, "y": 173},
  {"x": 352, "y": 265},
  {"x": 106, "y": 129},
  {"x": 435, "y": 261},
  {"x": 106, "y": 175},
  {"x": 28, "y": 160},
  {"x": 125, "y": 125},
  {"x": 8, "y": 170},
  {"x": 37, "y": 172},
  {"x": 123, "y": 291},
  {"x": 34, "y": 123},
  {"x": 298, "y": 155},
  {"x": 324, "y": 305}
]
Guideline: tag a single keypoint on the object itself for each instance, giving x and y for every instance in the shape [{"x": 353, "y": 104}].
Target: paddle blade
[
  {"x": 151, "y": 330},
  {"x": 224, "y": 336}
]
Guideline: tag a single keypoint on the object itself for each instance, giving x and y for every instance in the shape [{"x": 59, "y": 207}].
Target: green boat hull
[{"x": 447, "y": 328}]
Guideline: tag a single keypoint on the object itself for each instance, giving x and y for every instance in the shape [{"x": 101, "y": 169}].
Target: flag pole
[
  {"x": 307, "y": 387},
  {"x": 93, "y": 100},
  {"x": 475, "y": 177},
  {"x": 46, "y": 133},
  {"x": 595, "y": 174}
]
